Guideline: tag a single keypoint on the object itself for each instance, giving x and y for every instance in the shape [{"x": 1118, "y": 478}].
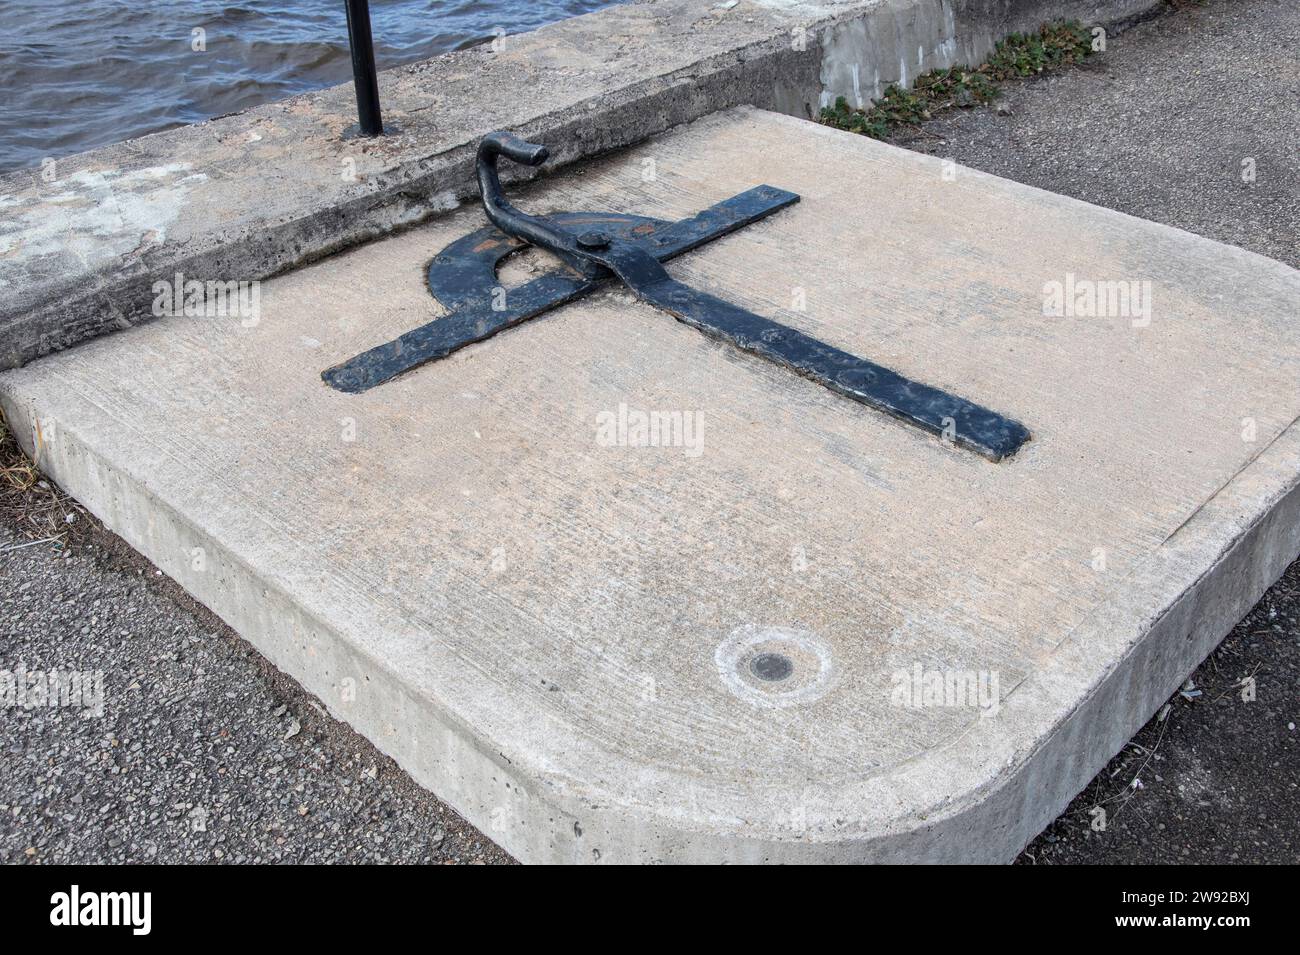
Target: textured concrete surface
[
  {"x": 1159, "y": 127},
  {"x": 243, "y": 197},
  {"x": 1215, "y": 778},
  {"x": 1218, "y": 776},
  {"x": 548, "y": 657}
]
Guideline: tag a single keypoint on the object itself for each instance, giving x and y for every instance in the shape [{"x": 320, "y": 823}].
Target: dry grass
[{"x": 34, "y": 505}]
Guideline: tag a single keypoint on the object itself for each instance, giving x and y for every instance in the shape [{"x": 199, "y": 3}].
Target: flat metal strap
[
  {"x": 477, "y": 316},
  {"x": 966, "y": 424},
  {"x": 463, "y": 278},
  {"x": 952, "y": 418}
]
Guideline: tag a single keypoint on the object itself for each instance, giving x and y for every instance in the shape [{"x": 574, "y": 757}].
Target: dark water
[{"x": 81, "y": 73}]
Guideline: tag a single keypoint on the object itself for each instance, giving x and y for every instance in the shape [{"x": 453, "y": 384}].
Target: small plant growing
[
  {"x": 1028, "y": 54},
  {"x": 1017, "y": 56}
]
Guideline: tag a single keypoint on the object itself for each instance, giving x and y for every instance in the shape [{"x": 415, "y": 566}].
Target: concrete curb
[{"x": 251, "y": 195}]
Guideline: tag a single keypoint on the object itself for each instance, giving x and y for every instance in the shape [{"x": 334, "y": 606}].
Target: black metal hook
[{"x": 535, "y": 230}]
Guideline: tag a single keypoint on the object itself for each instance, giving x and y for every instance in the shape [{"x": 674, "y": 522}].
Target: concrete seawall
[{"x": 254, "y": 194}]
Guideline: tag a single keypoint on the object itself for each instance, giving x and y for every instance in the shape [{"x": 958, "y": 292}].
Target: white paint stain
[
  {"x": 801, "y": 6},
  {"x": 97, "y": 216}
]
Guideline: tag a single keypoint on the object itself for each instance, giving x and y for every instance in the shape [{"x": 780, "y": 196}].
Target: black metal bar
[
  {"x": 364, "y": 77},
  {"x": 598, "y": 246},
  {"x": 967, "y": 424},
  {"x": 463, "y": 274},
  {"x": 534, "y": 230}
]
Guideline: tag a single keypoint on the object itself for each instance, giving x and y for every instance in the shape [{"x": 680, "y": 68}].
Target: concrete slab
[{"x": 555, "y": 631}]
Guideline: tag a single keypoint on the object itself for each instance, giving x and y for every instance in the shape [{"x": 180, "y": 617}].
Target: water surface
[{"x": 75, "y": 74}]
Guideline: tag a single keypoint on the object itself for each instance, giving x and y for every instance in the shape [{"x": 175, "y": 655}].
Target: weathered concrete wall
[{"x": 247, "y": 196}]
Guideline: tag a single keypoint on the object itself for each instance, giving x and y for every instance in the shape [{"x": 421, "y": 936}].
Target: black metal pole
[{"x": 364, "y": 77}]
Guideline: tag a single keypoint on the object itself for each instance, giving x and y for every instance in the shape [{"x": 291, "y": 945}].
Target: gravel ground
[
  {"x": 206, "y": 753},
  {"x": 1162, "y": 125}
]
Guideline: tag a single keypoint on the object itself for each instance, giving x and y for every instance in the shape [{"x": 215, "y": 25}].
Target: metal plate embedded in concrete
[{"x": 619, "y": 593}]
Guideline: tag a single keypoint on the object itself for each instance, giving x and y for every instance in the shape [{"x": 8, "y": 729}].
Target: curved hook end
[{"x": 512, "y": 147}]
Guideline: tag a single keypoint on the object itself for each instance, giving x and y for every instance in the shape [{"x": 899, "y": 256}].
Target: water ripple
[{"x": 75, "y": 74}]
